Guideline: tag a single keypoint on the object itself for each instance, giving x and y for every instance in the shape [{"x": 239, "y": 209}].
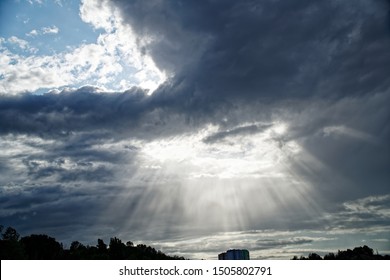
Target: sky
[{"x": 197, "y": 126}]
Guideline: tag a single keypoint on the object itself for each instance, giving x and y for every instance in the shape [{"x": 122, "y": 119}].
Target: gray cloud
[
  {"x": 272, "y": 243},
  {"x": 243, "y": 130},
  {"x": 267, "y": 50},
  {"x": 79, "y": 110}
]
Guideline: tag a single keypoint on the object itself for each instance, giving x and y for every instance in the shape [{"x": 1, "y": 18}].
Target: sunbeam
[{"x": 240, "y": 182}]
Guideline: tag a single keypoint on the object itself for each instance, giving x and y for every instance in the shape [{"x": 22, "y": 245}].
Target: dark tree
[
  {"x": 102, "y": 247},
  {"x": 10, "y": 234},
  {"x": 42, "y": 247},
  {"x": 76, "y": 246},
  {"x": 117, "y": 250},
  {"x": 11, "y": 250},
  {"x": 362, "y": 253},
  {"x": 314, "y": 256},
  {"x": 77, "y": 251},
  {"x": 358, "y": 253},
  {"x": 10, "y": 247},
  {"x": 330, "y": 256}
]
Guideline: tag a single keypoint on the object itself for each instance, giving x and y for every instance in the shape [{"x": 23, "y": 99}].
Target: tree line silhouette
[
  {"x": 44, "y": 247},
  {"x": 358, "y": 253}
]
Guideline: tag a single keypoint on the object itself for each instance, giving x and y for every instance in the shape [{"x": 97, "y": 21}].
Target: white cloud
[
  {"x": 32, "y": 33},
  {"x": 50, "y": 30},
  {"x": 20, "y": 43},
  {"x": 34, "y": 72},
  {"x": 99, "y": 15},
  {"x": 121, "y": 38},
  {"x": 114, "y": 62},
  {"x": 23, "y": 44},
  {"x": 32, "y": 2},
  {"x": 43, "y": 31}
]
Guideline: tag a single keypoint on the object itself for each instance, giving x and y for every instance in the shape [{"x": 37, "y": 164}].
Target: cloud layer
[{"x": 270, "y": 132}]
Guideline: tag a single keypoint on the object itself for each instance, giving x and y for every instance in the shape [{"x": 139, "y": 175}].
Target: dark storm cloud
[
  {"x": 349, "y": 138},
  {"x": 89, "y": 116},
  {"x": 67, "y": 213},
  {"x": 69, "y": 111},
  {"x": 24, "y": 200},
  {"x": 267, "y": 49}
]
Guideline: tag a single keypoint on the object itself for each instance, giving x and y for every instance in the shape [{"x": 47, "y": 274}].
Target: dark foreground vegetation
[
  {"x": 358, "y": 253},
  {"x": 43, "y": 247}
]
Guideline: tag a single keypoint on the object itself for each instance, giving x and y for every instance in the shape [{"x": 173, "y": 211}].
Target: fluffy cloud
[
  {"x": 32, "y": 2},
  {"x": 50, "y": 30},
  {"x": 44, "y": 30},
  {"x": 23, "y": 44},
  {"x": 115, "y": 61}
]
